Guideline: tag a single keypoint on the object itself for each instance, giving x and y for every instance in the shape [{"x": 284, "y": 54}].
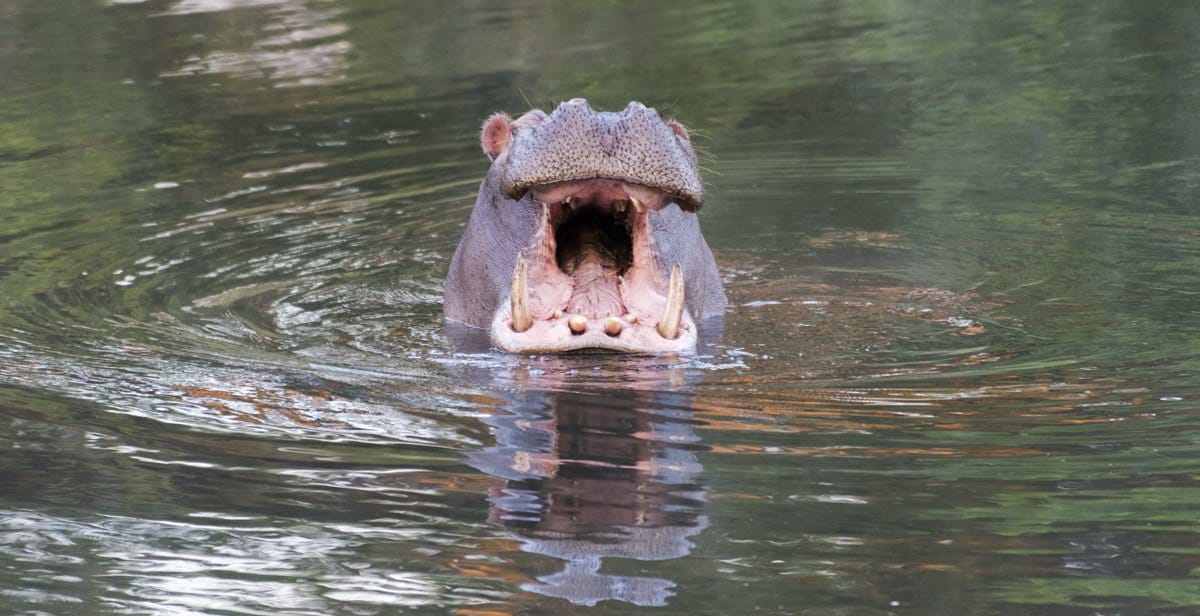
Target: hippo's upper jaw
[
  {"x": 589, "y": 215},
  {"x": 577, "y": 143}
]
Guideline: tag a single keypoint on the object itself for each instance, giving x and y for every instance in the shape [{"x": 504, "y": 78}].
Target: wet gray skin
[{"x": 585, "y": 235}]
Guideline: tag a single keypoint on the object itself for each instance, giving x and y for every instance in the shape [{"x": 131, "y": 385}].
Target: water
[{"x": 958, "y": 374}]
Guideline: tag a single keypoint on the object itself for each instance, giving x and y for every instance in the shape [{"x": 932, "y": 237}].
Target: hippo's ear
[
  {"x": 497, "y": 134},
  {"x": 678, "y": 129}
]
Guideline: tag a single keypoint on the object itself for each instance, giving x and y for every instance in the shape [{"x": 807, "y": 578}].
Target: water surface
[{"x": 958, "y": 373}]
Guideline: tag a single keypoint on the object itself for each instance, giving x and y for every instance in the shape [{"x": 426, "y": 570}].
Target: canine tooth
[
  {"x": 612, "y": 326},
  {"x": 637, "y": 205},
  {"x": 577, "y": 323},
  {"x": 557, "y": 314},
  {"x": 522, "y": 320},
  {"x": 631, "y": 318},
  {"x": 668, "y": 325}
]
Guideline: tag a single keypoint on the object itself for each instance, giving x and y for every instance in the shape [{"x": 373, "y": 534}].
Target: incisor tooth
[
  {"x": 631, "y": 318},
  {"x": 619, "y": 206},
  {"x": 577, "y": 323},
  {"x": 557, "y": 314},
  {"x": 613, "y": 326},
  {"x": 522, "y": 320},
  {"x": 668, "y": 325}
]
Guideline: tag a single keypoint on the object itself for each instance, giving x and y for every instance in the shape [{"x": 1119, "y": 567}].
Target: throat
[{"x": 594, "y": 251}]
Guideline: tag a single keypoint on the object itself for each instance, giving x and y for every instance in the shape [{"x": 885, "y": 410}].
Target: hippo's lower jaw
[{"x": 591, "y": 277}]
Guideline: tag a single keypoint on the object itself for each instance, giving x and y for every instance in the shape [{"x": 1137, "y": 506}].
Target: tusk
[
  {"x": 612, "y": 326},
  {"x": 521, "y": 319},
  {"x": 668, "y": 325},
  {"x": 577, "y": 323},
  {"x": 637, "y": 205}
]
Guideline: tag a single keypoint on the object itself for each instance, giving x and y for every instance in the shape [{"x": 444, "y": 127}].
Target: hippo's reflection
[{"x": 604, "y": 474}]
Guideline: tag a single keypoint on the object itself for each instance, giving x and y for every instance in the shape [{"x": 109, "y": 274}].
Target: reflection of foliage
[{"x": 1102, "y": 594}]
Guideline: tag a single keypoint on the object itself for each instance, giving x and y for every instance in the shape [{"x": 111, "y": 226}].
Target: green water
[{"x": 958, "y": 374}]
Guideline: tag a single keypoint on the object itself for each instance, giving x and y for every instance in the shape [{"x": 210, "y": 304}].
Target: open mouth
[{"x": 592, "y": 278}]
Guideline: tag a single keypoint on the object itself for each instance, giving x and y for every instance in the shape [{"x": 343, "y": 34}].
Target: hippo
[{"x": 585, "y": 235}]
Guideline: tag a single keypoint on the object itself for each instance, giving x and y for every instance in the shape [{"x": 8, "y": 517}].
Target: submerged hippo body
[{"x": 584, "y": 235}]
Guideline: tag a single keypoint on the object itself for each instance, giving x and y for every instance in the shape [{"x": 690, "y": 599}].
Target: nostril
[{"x": 635, "y": 108}]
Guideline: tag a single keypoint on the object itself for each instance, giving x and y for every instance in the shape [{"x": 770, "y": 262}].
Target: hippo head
[{"x": 584, "y": 235}]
